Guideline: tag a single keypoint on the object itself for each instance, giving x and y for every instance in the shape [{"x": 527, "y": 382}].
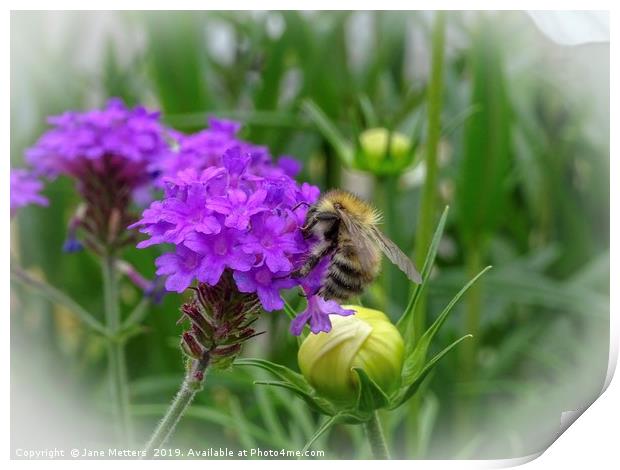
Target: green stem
[
  {"x": 468, "y": 355},
  {"x": 116, "y": 350},
  {"x": 191, "y": 385},
  {"x": 428, "y": 202},
  {"x": 472, "y": 311},
  {"x": 376, "y": 439}
]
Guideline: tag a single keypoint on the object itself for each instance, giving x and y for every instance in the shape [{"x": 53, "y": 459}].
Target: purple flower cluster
[
  {"x": 87, "y": 145},
  {"x": 243, "y": 215},
  {"x": 25, "y": 188},
  {"x": 110, "y": 153},
  {"x": 226, "y": 206}
]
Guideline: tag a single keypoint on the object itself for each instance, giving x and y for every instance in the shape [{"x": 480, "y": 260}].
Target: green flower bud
[
  {"x": 366, "y": 340},
  {"x": 374, "y": 145}
]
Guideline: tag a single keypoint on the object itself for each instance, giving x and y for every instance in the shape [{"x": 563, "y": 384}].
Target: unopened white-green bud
[
  {"x": 366, "y": 340},
  {"x": 374, "y": 145}
]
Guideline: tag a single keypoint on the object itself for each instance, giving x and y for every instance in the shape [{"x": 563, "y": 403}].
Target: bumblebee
[{"x": 346, "y": 229}]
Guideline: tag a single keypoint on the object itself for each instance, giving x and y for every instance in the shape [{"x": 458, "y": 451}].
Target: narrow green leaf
[
  {"x": 316, "y": 403},
  {"x": 428, "y": 420},
  {"x": 290, "y": 312},
  {"x": 408, "y": 391},
  {"x": 301, "y": 415},
  {"x": 485, "y": 160},
  {"x": 405, "y": 323},
  {"x": 56, "y": 296},
  {"x": 460, "y": 119},
  {"x": 255, "y": 118},
  {"x": 415, "y": 360},
  {"x": 246, "y": 439},
  {"x": 176, "y": 63},
  {"x": 329, "y": 130},
  {"x": 210, "y": 415},
  {"x": 138, "y": 313},
  {"x": 370, "y": 397},
  {"x": 370, "y": 117},
  {"x": 267, "y": 407},
  {"x": 278, "y": 370},
  {"x": 322, "y": 429}
]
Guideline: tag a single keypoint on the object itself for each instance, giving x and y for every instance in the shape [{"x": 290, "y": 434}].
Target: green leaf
[
  {"x": 484, "y": 166},
  {"x": 176, "y": 62},
  {"x": 414, "y": 362},
  {"x": 322, "y": 429},
  {"x": 408, "y": 391},
  {"x": 246, "y": 439},
  {"x": 328, "y": 129},
  {"x": 267, "y": 408},
  {"x": 279, "y": 371},
  {"x": 316, "y": 403},
  {"x": 290, "y": 311},
  {"x": 290, "y": 380},
  {"x": 211, "y": 415},
  {"x": 460, "y": 119},
  {"x": 405, "y": 323},
  {"x": 56, "y": 296},
  {"x": 138, "y": 314},
  {"x": 370, "y": 396},
  {"x": 370, "y": 117}
]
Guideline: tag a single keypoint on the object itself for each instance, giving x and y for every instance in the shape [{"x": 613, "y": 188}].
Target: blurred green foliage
[{"x": 523, "y": 158}]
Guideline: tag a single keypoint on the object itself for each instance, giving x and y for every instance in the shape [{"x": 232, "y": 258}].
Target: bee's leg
[
  {"x": 306, "y": 230},
  {"x": 318, "y": 252}
]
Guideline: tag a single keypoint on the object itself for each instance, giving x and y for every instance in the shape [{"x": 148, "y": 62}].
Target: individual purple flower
[
  {"x": 290, "y": 166},
  {"x": 273, "y": 241},
  {"x": 238, "y": 207},
  {"x": 25, "y": 189},
  {"x": 237, "y": 163},
  {"x": 218, "y": 252},
  {"x": 265, "y": 284},
  {"x": 317, "y": 314},
  {"x": 190, "y": 214},
  {"x": 180, "y": 267}
]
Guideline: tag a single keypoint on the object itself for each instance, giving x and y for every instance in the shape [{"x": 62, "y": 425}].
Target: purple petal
[{"x": 270, "y": 298}]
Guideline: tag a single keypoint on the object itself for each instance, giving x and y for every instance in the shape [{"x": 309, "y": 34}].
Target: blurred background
[{"x": 523, "y": 161}]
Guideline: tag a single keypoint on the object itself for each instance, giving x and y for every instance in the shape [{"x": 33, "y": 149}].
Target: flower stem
[
  {"x": 468, "y": 353},
  {"x": 116, "y": 350},
  {"x": 428, "y": 212},
  {"x": 376, "y": 438},
  {"x": 428, "y": 202},
  {"x": 191, "y": 385}
]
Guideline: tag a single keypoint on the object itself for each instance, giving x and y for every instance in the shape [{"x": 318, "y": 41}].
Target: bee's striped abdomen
[{"x": 345, "y": 277}]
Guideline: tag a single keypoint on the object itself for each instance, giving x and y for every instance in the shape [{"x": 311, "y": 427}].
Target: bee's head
[{"x": 320, "y": 219}]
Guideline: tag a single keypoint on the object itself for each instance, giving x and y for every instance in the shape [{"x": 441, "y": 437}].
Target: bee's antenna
[{"x": 302, "y": 203}]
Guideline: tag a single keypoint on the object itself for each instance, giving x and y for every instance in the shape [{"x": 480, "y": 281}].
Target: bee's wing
[
  {"x": 395, "y": 255},
  {"x": 365, "y": 246}
]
